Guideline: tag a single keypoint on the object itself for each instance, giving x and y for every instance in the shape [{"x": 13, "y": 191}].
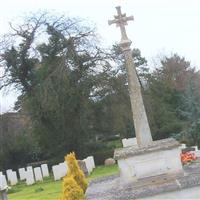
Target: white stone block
[
  {"x": 38, "y": 174},
  {"x": 22, "y": 173},
  {"x": 91, "y": 158},
  {"x": 150, "y": 164},
  {"x": 30, "y": 177},
  {"x": 153, "y": 165},
  {"x": 29, "y": 168},
  {"x": 129, "y": 142},
  {"x": 8, "y": 173},
  {"x": 183, "y": 146},
  {"x": 63, "y": 169},
  {"x": 89, "y": 164},
  {"x": 45, "y": 170},
  {"x": 56, "y": 172},
  {"x": 195, "y": 147},
  {"x": 13, "y": 178},
  {"x": 3, "y": 182}
]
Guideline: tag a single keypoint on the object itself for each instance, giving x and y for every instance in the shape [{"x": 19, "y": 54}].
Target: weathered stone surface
[
  {"x": 3, "y": 182},
  {"x": 63, "y": 168},
  {"x": 22, "y": 174},
  {"x": 91, "y": 159},
  {"x": 56, "y": 172},
  {"x": 12, "y": 177},
  {"x": 142, "y": 130},
  {"x": 83, "y": 167},
  {"x": 3, "y": 195},
  {"x": 187, "y": 149},
  {"x": 154, "y": 146},
  {"x": 45, "y": 170},
  {"x": 38, "y": 174},
  {"x": 109, "y": 161},
  {"x": 129, "y": 142},
  {"x": 151, "y": 164},
  {"x": 114, "y": 188},
  {"x": 30, "y": 180}
]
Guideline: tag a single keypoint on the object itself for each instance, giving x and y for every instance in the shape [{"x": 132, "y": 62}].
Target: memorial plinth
[
  {"x": 150, "y": 167},
  {"x": 156, "y": 188},
  {"x": 161, "y": 157},
  {"x": 148, "y": 158}
]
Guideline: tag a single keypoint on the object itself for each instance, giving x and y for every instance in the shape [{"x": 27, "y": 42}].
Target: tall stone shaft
[{"x": 142, "y": 129}]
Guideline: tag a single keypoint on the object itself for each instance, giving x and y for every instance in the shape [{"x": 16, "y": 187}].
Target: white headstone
[
  {"x": 30, "y": 177},
  {"x": 3, "y": 182},
  {"x": 183, "y": 146},
  {"x": 88, "y": 164},
  {"x": 63, "y": 169},
  {"x": 13, "y": 178},
  {"x": 195, "y": 147},
  {"x": 22, "y": 173},
  {"x": 38, "y": 174},
  {"x": 56, "y": 172},
  {"x": 129, "y": 142},
  {"x": 45, "y": 170},
  {"x": 8, "y": 173},
  {"x": 91, "y": 158},
  {"x": 29, "y": 168},
  {"x": 1, "y": 173}
]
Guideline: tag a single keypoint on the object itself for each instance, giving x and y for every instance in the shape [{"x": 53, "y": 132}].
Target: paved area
[{"x": 113, "y": 188}]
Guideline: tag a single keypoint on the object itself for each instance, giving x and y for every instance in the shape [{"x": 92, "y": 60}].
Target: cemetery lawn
[{"x": 50, "y": 189}]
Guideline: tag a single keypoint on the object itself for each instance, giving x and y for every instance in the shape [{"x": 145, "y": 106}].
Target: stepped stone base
[
  {"x": 175, "y": 187},
  {"x": 161, "y": 157}
]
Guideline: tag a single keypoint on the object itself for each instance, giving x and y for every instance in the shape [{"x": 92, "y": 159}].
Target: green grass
[
  {"x": 50, "y": 189},
  {"x": 102, "y": 171},
  {"x": 114, "y": 144}
]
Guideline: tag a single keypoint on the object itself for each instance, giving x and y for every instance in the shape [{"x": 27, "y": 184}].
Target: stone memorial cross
[{"x": 142, "y": 130}]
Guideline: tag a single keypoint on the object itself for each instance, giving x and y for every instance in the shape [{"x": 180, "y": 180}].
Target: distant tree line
[{"x": 75, "y": 93}]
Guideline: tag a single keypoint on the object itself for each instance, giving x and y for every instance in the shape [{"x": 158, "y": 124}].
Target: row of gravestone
[
  {"x": 32, "y": 175},
  {"x": 87, "y": 165}
]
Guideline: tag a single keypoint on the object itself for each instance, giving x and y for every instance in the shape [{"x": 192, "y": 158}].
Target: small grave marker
[
  {"x": 38, "y": 174},
  {"x": 22, "y": 173},
  {"x": 45, "y": 170},
  {"x": 30, "y": 177}
]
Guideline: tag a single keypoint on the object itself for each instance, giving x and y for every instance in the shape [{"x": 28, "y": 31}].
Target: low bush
[
  {"x": 75, "y": 171},
  {"x": 74, "y": 183},
  {"x": 71, "y": 190}
]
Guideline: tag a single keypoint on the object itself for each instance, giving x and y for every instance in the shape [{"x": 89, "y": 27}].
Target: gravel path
[{"x": 113, "y": 188}]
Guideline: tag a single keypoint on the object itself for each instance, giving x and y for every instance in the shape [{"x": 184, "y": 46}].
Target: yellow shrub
[
  {"x": 71, "y": 190},
  {"x": 75, "y": 171}
]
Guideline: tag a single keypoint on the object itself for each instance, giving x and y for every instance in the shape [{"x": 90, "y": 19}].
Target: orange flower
[{"x": 187, "y": 157}]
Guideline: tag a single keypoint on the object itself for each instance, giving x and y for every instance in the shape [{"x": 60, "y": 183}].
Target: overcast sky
[{"x": 160, "y": 26}]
